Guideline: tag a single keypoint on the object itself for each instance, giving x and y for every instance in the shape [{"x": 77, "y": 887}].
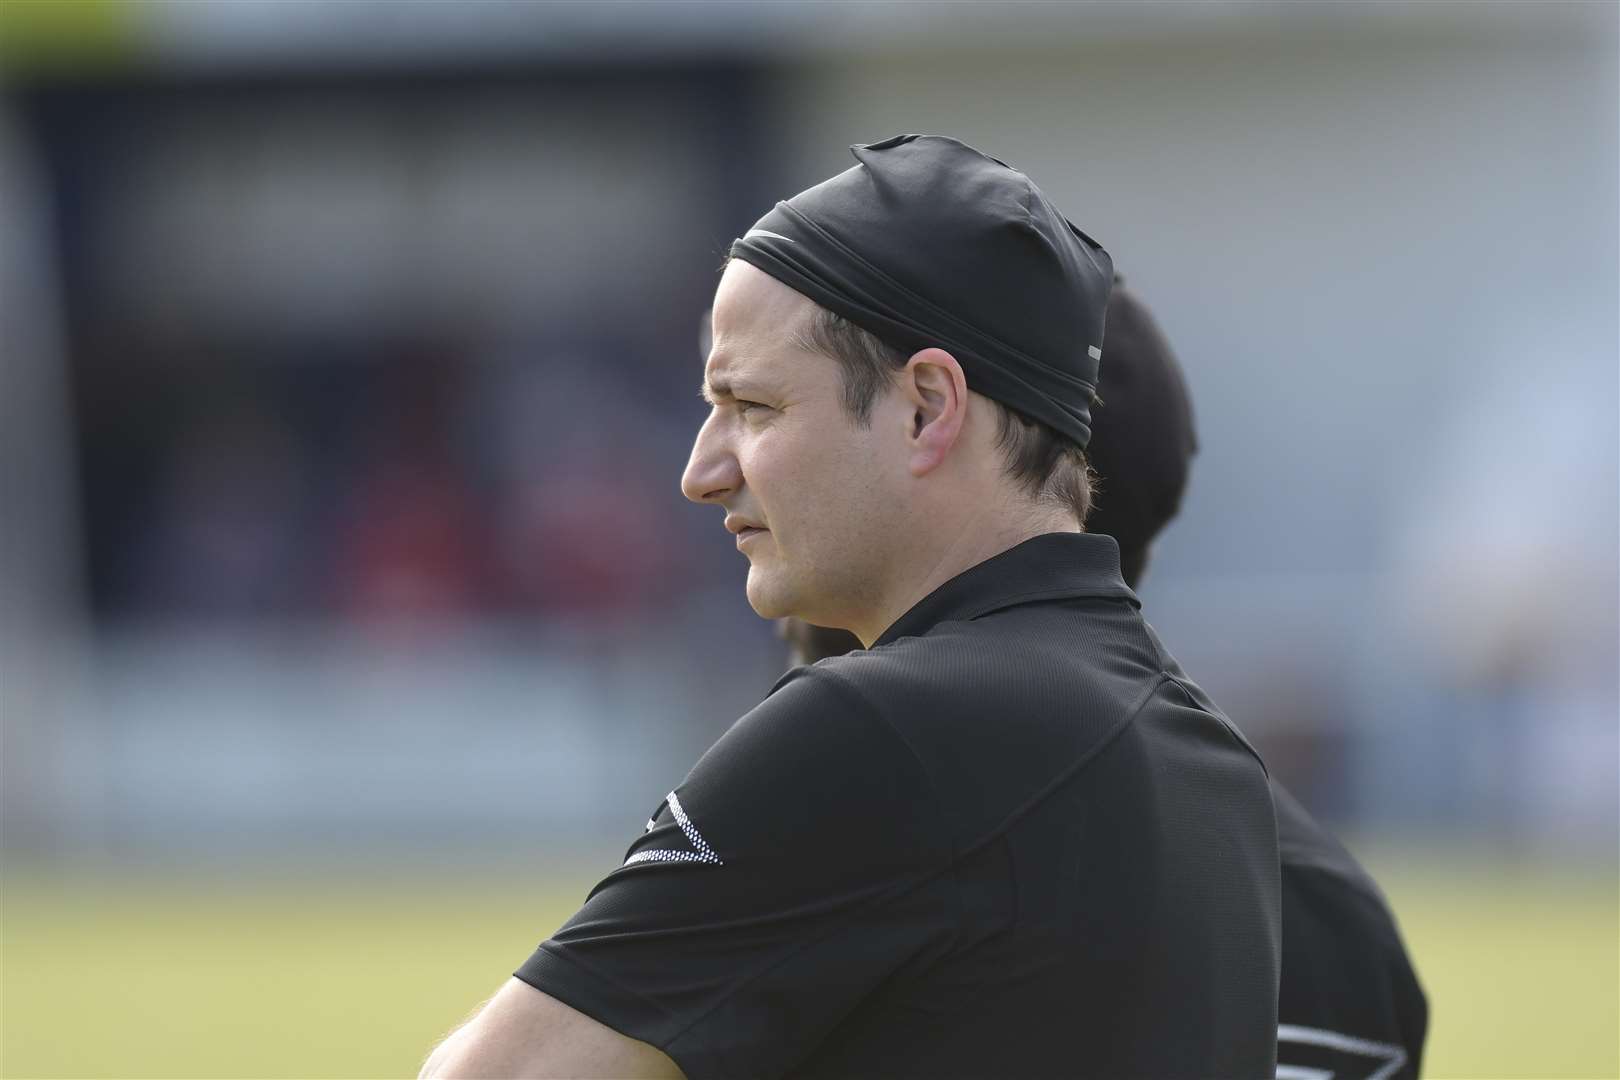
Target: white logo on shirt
[{"x": 701, "y": 852}]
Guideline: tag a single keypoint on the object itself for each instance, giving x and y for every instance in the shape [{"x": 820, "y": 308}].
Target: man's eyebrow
[{"x": 714, "y": 391}]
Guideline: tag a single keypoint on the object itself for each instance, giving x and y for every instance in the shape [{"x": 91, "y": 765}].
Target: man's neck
[{"x": 981, "y": 536}]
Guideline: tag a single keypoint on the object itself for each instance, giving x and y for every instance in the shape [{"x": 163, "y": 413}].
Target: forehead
[
  {"x": 754, "y": 325},
  {"x": 748, "y": 299}
]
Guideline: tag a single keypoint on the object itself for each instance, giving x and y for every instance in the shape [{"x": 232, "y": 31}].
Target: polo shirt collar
[{"x": 1053, "y": 566}]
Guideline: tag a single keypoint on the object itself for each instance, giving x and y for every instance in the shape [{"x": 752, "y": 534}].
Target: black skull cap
[{"x": 929, "y": 243}]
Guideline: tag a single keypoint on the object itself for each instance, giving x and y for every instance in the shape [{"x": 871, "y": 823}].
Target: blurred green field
[{"x": 127, "y": 977}]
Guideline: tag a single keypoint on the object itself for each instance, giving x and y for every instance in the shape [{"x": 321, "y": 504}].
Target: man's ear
[{"x": 936, "y": 390}]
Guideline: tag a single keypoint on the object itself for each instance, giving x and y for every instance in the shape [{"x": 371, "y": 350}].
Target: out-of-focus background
[{"x": 351, "y": 616}]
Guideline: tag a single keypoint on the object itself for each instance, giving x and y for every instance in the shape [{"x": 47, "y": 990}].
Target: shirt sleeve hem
[{"x": 549, "y": 971}]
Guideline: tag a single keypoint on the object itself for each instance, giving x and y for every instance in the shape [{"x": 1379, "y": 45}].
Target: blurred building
[{"x": 350, "y": 356}]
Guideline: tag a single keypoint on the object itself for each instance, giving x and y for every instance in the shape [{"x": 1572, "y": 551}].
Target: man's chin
[
  {"x": 768, "y": 603},
  {"x": 783, "y": 603}
]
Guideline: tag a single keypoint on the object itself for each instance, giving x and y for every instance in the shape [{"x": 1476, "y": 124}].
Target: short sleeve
[{"x": 795, "y": 869}]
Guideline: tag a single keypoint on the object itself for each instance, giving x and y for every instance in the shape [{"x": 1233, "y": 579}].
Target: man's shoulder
[
  {"x": 1319, "y": 870},
  {"x": 818, "y": 704},
  {"x": 1064, "y": 643},
  {"x": 1348, "y": 985},
  {"x": 1014, "y": 724},
  {"x": 1053, "y": 686},
  {"x": 1303, "y": 844},
  {"x": 877, "y": 675},
  {"x": 813, "y": 774}
]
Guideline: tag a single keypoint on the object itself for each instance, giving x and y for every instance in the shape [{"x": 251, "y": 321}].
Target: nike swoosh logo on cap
[{"x": 767, "y": 232}]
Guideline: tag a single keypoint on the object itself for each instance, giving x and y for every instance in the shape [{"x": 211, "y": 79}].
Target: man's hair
[{"x": 1044, "y": 463}]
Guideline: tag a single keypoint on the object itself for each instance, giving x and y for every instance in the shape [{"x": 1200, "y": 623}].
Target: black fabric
[
  {"x": 1142, "y": 433},
  {"x": 1350, "y": 1003},
  {"x": 1011, "y": 840},
  {"x": 929, "y": 243}
]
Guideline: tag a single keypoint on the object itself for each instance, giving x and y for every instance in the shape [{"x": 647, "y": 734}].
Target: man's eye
[{"x": 746, "y": 407}]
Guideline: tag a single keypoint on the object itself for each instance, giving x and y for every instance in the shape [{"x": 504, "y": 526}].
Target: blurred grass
[
  {"x": 149, "y": 978},
  {"x": 1520, "y": 961},
  {"x": 344, "y": 976}
]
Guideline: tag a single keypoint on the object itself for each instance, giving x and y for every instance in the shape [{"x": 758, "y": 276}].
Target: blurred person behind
[
  {"x": 895, "y": 864},
  {"x": 1350, "y": 1004}
]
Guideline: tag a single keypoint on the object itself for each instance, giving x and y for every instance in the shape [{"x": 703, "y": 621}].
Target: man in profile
[
  {"x": 1350, "y": 1004},
  {"x": 1009, "y": 837}
]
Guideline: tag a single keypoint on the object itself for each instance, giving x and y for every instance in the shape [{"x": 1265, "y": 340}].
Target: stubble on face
[{"x": 822, "y": 485}]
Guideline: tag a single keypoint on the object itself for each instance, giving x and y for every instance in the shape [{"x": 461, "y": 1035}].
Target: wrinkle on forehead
[{"x": 725, "y": 378}]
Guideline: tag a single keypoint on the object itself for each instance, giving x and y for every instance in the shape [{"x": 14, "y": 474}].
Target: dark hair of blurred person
[{"x": 1349, "y": 999}]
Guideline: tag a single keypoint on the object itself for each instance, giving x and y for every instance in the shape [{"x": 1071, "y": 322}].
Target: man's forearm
[
  {"x": 523, "y": 1032},
  {"x": 436, "y": 1061}
]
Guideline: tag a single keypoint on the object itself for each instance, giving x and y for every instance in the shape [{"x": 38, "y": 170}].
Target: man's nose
[{"x": 712, "y": 473}]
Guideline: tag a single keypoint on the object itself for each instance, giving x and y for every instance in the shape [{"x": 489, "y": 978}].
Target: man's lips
[{"x": 743, "y": 528}]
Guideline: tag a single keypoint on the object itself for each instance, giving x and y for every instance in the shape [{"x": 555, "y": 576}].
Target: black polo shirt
[
  {"x": 1012, "y": 839},
  {"x": 1351, "y": 1006}
]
